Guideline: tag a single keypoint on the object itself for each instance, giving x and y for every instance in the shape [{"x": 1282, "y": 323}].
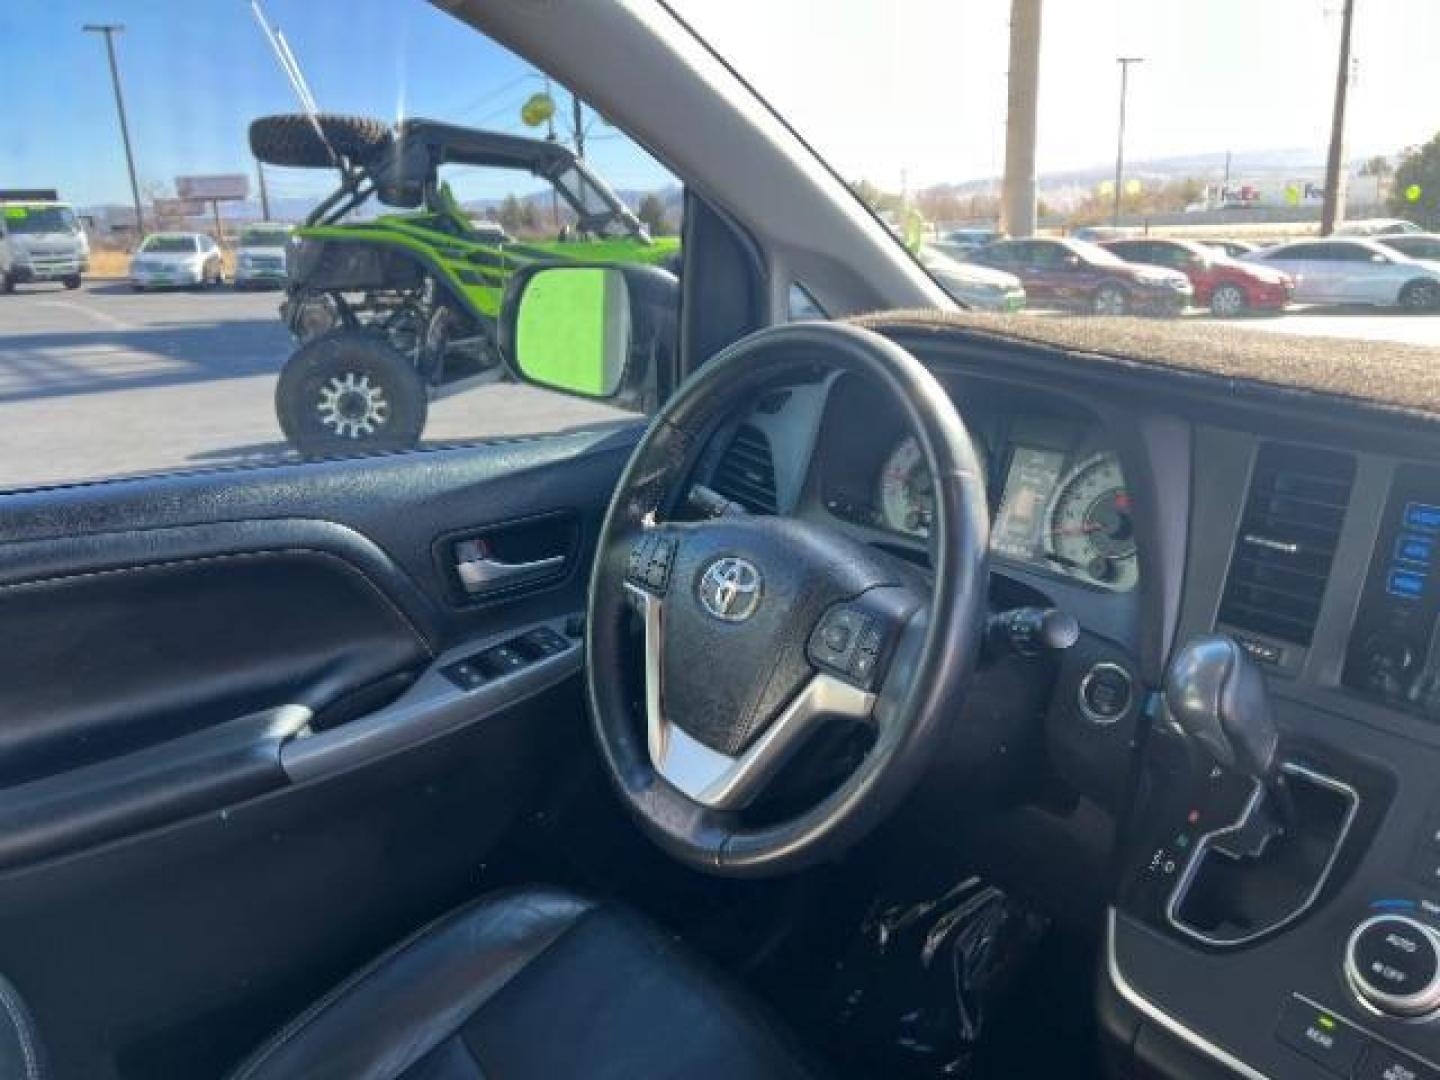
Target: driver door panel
[{"x": 231, "y": 764}]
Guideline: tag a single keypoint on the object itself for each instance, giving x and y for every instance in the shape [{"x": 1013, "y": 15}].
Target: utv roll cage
[{"x": 399, "y": 165}]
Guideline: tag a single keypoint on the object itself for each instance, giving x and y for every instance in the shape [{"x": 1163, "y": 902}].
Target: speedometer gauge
[
  {"x": 907, "y": 492},
  {"x": 1090, "y": 525}
]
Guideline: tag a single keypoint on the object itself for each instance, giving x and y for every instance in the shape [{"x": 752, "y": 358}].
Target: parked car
[
  {"x": 40, "y": 240},
  {"x": 1236, "y": 249},
  {"x": 1226, "y": 286},
  {"x": 973, "y": 285},
  {"x": 1077, "y": 274},
  {"x": 1377, "y": 227},
  {"x": 1422, "y": 246},
  {"x": 169, "y": 260},
  {"x": 260, "y": 255},
  {"x": 958, "y": 243},
  {"x": 1345, "y": 270}
]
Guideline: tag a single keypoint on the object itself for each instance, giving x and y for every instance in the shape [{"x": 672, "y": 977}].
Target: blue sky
[
  {"x": 877, "y": 86},
  {"x": 195, "y": 72}
]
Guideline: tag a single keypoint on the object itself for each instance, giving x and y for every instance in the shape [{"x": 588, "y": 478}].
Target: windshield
[
  {"x": 169, "y": 245},
  {"x": 253, "y": 238},
  {"x": 1095, "y": 254},
  {"x": 1124, "y": 119},
  {"x": 40, "y": 219}
]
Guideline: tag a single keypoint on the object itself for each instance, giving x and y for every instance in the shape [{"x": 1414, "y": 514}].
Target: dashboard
[
  {"x": 1157, "y": 510},
  {"x": 1059, "y": 500}
]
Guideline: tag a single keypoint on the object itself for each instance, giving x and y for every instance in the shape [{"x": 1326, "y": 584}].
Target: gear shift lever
[{"x": 1218, "y": 697}]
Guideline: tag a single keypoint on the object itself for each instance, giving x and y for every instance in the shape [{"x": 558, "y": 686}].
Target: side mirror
[{"x": 596, "y": 331}]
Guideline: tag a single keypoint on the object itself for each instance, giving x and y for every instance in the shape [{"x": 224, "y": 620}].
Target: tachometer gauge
[
  {"x": 907, "y": 492},
  {"x": 1090, "y": 525}
]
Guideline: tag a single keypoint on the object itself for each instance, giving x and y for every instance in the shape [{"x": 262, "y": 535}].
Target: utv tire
[
  {"x": 7, "y": 285},
  {"x": 349, "y": 393},
  {"x": 71, "y": 282},
  {"x": 291, "y": 139}
]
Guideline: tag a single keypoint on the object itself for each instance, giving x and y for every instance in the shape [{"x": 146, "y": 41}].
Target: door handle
[{"x": 483, "y": 574}]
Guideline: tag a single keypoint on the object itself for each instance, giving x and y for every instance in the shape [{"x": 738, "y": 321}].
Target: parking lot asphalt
[{"x": 105, "y": 382}]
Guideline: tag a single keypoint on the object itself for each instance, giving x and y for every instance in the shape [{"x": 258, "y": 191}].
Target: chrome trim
[
  {"x": 1207, "y": 841},
  {"x": 1153, "y": 1012},
  {"x": 1089, "y": 713},
  {"x": 1424, "y": 1001},
  {"x": 718, "y": 780}
]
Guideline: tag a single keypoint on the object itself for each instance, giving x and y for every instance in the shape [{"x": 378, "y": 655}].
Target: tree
[
  {"x": 651, "y": 213},
  {"x": 1415, "y": 192},
  {"x": 1378, "y": 167},
  {"x": 511, "y": 216}
]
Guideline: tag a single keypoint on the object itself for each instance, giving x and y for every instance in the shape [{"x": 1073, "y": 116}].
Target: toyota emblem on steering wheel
[{"x": 730, "y": 589}]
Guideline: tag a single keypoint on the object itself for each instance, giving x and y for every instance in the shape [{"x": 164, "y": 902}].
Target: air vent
[
  {"x": 746, "y": 473},
  {"x": 1286, "y": 541}
]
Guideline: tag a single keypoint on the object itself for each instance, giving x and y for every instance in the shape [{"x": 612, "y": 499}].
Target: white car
[
  {"x": 974, "y": 286},
  {"x": 169, "y": 260},
  {"x": 1422, "y": 246},
  {"x": 1346, "y": 270},
  {"x": 260, "y": 255}
]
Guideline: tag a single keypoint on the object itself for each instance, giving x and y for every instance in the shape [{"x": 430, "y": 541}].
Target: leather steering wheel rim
[{"x": 929, "y": 678}]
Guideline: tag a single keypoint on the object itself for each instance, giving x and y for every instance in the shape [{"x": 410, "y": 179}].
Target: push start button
[{"x": 1393, "y": 963}]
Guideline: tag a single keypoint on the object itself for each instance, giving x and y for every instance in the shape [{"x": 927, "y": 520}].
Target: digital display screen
[{"x": 1029, "y": 484}]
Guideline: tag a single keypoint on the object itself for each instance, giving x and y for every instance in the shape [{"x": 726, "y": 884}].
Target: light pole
[
  {"x": 1124, "y": 62},
  {"x": 110, "y": 30}
]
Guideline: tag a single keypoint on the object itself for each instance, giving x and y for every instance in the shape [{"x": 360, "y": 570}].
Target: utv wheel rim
[{"x": 352, "y": 406}]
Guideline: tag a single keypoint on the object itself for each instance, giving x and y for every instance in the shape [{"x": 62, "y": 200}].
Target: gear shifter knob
[{"x": 1218, "y": 697}]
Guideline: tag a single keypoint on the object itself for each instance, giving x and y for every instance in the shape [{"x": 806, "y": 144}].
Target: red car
[{"x": 1227, "y": 286}]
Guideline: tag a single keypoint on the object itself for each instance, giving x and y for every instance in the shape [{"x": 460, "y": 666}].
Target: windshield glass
[
  {"x": 1124, "y": 119},
  {"x": 40, "y": 219},
  {"x": 254, "y": 237},
  {"x": 169, "y": 245},
  {"x": 1095, "y": 254}
]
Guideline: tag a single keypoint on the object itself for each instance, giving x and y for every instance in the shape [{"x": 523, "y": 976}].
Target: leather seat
[{"x": 529, "y": 985}]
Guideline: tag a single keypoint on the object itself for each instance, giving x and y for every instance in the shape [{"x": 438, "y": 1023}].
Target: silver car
[
  {"x": 260, "y": 255},
  {"x": 1344, "y": 270},
  {"x": 979, "y": 287},
  {"x": 170, "y": 260}
]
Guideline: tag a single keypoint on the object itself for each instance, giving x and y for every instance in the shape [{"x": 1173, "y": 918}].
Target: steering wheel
[{"x": 757, "y": 629}]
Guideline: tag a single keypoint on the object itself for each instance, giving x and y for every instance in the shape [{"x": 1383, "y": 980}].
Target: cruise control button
[
  {"x": 862, "y": 666},
  {"x": 836, "y": 637},
  {"x": 1382, "y": 1063},
  {"x": 1321, "y": 1036}
]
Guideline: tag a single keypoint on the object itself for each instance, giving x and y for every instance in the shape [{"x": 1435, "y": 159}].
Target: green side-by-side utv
[{"x": 386, "y": 310}]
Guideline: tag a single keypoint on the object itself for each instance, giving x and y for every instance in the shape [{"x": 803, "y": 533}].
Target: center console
[{"x": 1278, "y": 907}]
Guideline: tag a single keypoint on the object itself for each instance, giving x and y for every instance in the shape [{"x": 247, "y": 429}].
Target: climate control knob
[{"x": 1392, "y": 963}]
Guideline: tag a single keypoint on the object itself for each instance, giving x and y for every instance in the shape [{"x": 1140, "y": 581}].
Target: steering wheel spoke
[{"x": 711, "y": 777}]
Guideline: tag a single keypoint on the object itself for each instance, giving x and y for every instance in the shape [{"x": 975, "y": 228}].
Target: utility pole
[
  {"x": 579, "y": 122},
  {"x": 110, "y": 30},
  {"x": 1124, "y": 62},
  {"x": 264, "y": 191},
  {"x": 1017, "y": 190},
  {"x": 1332, "y": 211}
]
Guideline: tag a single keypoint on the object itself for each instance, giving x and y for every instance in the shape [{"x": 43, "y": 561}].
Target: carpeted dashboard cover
[{"x": 1379, "y": 374}]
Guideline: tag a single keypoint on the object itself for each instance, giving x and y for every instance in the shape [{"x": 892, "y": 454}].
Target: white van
[{"x": 40, "y": 240}]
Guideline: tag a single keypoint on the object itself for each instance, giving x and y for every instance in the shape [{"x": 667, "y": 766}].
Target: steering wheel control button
[
  {"x": 1320, "y": 1036},
  {"x": 1393, "y": 964},
  {"x": 1106, "y": 693},
  {"x": 1382, "y": 1063},
  {"x": 851, "y": 643}
]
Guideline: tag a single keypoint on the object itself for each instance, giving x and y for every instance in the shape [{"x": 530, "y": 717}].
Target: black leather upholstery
[
  {"x": 529, "y": 985},
  {"x": 21, "y": 1056}
]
